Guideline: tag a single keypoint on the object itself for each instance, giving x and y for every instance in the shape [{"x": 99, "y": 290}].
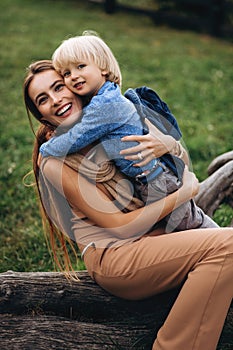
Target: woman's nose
[{"x": 56, "y": 99}]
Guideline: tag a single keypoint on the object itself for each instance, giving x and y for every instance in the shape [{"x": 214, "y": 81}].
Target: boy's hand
[{"x": 50, "y": 134}]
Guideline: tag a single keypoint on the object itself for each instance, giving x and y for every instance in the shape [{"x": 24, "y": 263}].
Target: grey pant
[{"x": 187, "y": 216}]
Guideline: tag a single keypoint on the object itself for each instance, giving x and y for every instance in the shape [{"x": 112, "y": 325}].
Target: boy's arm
[
  {"x": 95, "y": 123},
  {"x": 69, "y": 142}
]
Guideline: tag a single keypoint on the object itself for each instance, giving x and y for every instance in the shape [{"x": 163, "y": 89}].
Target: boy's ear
[{"x": 104, "y": 73}]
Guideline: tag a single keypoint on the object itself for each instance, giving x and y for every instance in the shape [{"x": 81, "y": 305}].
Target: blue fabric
[
  {"x": 149, "y": 105},
  {"x": 107, "y": 118}
]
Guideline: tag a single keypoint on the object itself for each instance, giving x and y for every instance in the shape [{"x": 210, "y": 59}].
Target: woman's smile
[{"x": 62, "y": 112}]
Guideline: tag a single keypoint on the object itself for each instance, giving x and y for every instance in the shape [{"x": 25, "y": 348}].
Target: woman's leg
[
  {"x": 202, "y": 259},
  {"x": 197, "y": 317}
]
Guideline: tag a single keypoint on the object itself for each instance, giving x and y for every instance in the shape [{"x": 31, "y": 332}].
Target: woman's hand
[
  {"x": 152, "y": 145},
  {"x": 190, "y": 183}
]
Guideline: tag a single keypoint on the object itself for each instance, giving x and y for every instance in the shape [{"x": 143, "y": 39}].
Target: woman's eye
[
  {"x": 58, "y": 87},
  {"x": 80, "y": 66},
  {"x": 42, "y": 100}
]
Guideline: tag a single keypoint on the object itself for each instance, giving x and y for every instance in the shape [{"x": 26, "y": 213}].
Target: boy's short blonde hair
[{"x": 88, "y": 47}]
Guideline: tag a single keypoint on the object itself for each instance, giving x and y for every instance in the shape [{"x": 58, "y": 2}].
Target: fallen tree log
[
  {"x": 51, "y": 332},
  {"x": 218, "y": 187},
  {"x": 46, "y": 311},
  {"x": 219, "y": 161}
]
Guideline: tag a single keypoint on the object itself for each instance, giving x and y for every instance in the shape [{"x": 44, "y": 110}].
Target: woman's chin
[{"x": 70, "y": 121}]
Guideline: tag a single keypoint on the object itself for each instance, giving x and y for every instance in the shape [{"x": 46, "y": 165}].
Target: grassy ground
[{"x": 191, "y": 72}]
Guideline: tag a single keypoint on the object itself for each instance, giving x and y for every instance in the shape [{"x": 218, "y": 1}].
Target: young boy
[{"x": 90, "y": 70}]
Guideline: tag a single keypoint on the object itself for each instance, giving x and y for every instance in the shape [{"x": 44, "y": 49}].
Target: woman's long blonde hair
[
  {"x": 58, "y": 242},
  {"x": 88, "y": 47}
]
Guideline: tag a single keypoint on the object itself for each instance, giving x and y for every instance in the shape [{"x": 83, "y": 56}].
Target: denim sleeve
[{"x": 95, "y": 124}]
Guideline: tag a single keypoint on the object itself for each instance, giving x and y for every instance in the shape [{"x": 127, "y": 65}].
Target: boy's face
[
  {"x": 56, "y": 103},
  {"x": 84, "y": 78}
]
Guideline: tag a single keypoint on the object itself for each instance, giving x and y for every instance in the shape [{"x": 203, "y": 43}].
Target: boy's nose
[{"x": 74, "y": 74}]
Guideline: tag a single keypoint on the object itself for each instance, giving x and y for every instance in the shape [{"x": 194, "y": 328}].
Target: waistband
[
  {"x": 91, "y": 244},
  {"x": 158, "y": 168}
]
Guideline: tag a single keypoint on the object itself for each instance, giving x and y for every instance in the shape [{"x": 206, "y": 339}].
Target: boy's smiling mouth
[{"x": 79, "y": 85}]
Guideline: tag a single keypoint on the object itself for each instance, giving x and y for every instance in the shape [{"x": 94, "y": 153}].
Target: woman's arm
[
  {"x": 153, "y": 145},
  {"x": 84, "y": 196}
]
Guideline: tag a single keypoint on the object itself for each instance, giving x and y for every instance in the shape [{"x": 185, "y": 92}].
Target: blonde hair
[{"x": 88, "y": 47}]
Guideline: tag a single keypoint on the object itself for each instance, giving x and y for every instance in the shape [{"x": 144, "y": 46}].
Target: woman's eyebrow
[{"x": 55, "y": 82}]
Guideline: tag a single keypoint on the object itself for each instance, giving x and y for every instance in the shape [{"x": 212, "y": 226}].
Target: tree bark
[
  {"x": 43, "y": 332},
  {"x": 47, "y": 311},
  {"x": 218, "y": 187},
  {"x": 219, "y": 161}
]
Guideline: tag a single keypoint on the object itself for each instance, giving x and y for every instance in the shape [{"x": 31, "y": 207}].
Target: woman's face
[{"x": 56, "y": 103}]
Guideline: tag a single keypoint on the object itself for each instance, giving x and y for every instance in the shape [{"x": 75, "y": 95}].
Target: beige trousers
[{"x": 201, "y": 259}]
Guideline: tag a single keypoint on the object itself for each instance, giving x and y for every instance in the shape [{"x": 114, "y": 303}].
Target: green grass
[{"x": 191, "y": 72}]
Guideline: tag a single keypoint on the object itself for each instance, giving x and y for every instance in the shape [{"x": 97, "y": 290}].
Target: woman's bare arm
[{"x": 91, "y": 201}]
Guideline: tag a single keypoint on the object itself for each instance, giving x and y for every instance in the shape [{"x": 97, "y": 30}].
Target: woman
[{"x": 122, "y": 249}]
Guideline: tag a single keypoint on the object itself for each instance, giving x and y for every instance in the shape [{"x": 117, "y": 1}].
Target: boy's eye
[
  {"x": 66, "y": 74},
  {"x": 80, "y": 66}
]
